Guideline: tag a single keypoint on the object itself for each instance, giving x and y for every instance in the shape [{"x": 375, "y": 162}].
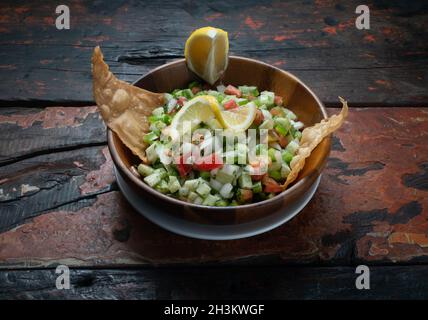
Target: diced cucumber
[
  {"x": 285, "y": 170},
  {"x": 286, "y": 156},
  {"x": 150, "y": 137},
  {"x": 151, "y": 153},
  {"x": 223, "y": 177},
  {"x": 267, "y": 124},
  {"x": 205, "y": 175},
  {"x": 144, "y": 170},
  {"x": 183, "y": 192},
  {"x": 241, "y": 101},
  {"x": 171, "y": 105},
  {"x": 284, "y": 122},
  {"x": 275, "y": 166},
  {"x": 275, "y": 174},
  {"x": 221, "y": 88},
  {"x": 297, "y": 125},
  {"x": 198, "y": 200},
  {"x": 292, "y": 147},
  {"x": 281, "y": 130},
  {"x": 173, "y": 184},
  {"x": 168, "y": 96},
  {"x": 221, "y": 203},
  {"x": 161, "y": 172},
  {"x": 191, "y": 184},
  {"x": 267, "y": 98},
  {"x": 210, "y": 200},
  {"x": 230, "y": 169},
  {"x": 158, "y": 111},
  {"x": 214, "y": 172},
  {"x": 245, "y": 181},
  {"x": 216, "y": 185},
  {"x": 171, "y": 170},
  {"x": 192, "y": 196},
  {"x": 162, "y": 187},
  {"x": 249, "y": 90},
  {"x": 261, "y": 149},
  {"x": 257, "y": 187},
  {"x": 226, "y": 191},
  {"x": 153, "y": 179},
  {"x": 266, "y": 114},
  {"x": 290, "y": 114},
  {"x": 203, "y": 189}
]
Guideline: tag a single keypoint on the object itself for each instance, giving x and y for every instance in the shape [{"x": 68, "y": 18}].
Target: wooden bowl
[{"x": 241, "y": 71}]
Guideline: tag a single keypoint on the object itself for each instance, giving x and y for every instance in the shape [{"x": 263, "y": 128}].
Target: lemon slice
[
  {"x": 206, "y": 53},
  {"x": 238, "y": 119},
  {"x": 197, "y": 110}
]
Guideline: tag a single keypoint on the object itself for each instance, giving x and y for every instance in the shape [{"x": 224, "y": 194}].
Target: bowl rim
[{"x": 140, "y": 183}]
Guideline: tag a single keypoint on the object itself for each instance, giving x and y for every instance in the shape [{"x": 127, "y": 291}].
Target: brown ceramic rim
[{"x": 294, "y": 187}]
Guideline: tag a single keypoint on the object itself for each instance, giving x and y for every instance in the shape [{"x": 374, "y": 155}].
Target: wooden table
[{"x": 59, "y": 203}]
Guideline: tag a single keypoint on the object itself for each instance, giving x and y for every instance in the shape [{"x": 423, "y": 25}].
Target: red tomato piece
[
  {"x": 278, "y": 100},
  {"x": 208, "y": 163},
  {"x": 231, "y": 104},
  {"x": 181, "y": 101},
  {"x": 231, "y": 90},
  {"x": 195, "y": 90},
  {"x": 271, "y": 185},
  {"x": 259, "y": 118},
  {"x": 182, "y": 167}
]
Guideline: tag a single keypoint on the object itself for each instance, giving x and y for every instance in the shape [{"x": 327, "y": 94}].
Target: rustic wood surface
[
  {"x": 59, "y": 202},
  {"x": 218, "y": 283},
  {"x": 371, "y": 205},
  {"x": 316, "y": 40}
]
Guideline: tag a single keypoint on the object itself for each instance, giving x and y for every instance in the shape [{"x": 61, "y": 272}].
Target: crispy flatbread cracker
[
  {"x": 124, "y": 107},
  {"x": 311, "y": 137}
]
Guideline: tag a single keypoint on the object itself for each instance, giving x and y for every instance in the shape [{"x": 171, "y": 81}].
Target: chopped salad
[{"x": 211, "y": 169}]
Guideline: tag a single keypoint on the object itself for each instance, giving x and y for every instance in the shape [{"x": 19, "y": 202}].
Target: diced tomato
[
  {"x": 283, "y": 141},
  {"x": 181, "y": 101},
  {"x": 208, "y": 163},
  {"x": 256, "y": 174},
  {"x": 278, "y": 100},
  {"x": 182, "y": 167},
  {"x": 271, "y": 185},
  {"x": 195, "y": 90},
  {"x": 231, "y": 90},
  {"x": 257, "y": 177},
  {"x": 259, "y": 118},
  {"x": 231, "y": 104},
  {"x": 245, "y": 196},
  {"x": 275, "y": 112}
]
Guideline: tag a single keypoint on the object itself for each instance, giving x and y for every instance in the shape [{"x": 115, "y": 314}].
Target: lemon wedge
[
  {"x": 197, "y": 110},
  {"x": 206, "y": 52},
  {"x": 204, "y": 108},
  {"x": 238, "y": 119}
]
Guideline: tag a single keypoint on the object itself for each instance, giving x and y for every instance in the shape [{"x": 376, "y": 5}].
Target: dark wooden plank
[
  {"x": 371, "y": 206},
  {"x": 35, "y": 185},
  {"x": 386, "y": 282},
  {"x": 316, "y": 40},
  {"x": 29, "y": 131}
]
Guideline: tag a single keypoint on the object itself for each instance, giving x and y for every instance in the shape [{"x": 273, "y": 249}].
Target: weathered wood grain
[
  {"x": 366, "y": 208},
  {"x": 316, "y": 40},
  {"x": 386, "y": 282},
  {"x": 29, "y": 131},
  {"x": 35, "y": 185}
]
